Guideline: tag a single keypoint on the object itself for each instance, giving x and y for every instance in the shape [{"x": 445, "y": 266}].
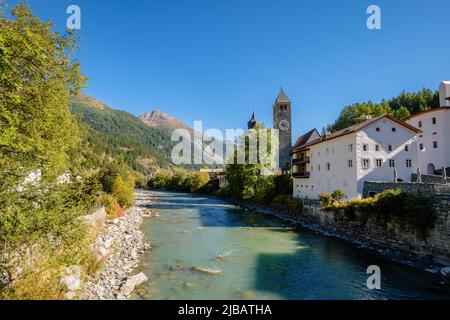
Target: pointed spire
[
  {"x": 282, "y": 97},
  {"x": 253, "y": 122}
]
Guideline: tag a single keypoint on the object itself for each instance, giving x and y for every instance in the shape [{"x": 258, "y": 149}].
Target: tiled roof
[
  {"x": 303, "y": 139},
  {"x": 429, "y": 111},
  {"x": 282, "y": 98},
  {"x": 356, "y": 128}
]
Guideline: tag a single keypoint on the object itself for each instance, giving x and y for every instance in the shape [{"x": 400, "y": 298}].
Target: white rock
[{"x": 132, "y": 283}]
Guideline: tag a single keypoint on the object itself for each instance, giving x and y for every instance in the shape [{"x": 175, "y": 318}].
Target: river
[{"x": 259, "y": 257}]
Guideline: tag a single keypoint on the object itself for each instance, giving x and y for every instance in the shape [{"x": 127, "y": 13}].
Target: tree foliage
[
  {"x": 37, "y": 73},
  {"x": 401, "y": 107}
]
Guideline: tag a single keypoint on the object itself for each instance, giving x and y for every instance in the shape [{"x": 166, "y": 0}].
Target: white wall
[
  {"x": 351, "y": 179},
  {"x": 444, "y": 92},
  {"x": 385, "y": 137},
  {"x": 439, "y": 132},
  {"x": 340, "y": 176}
]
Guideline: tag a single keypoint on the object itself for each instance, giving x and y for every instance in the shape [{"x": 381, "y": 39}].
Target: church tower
[{"x": 282, "y": 122}]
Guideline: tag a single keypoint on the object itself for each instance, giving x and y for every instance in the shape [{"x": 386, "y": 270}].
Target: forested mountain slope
[
  {"x": 117, "y": 135},
  {"x": 401, "y": 107}
]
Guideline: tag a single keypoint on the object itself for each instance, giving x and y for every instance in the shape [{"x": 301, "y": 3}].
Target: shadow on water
[
  {"x": 273, "y": 259},
  {"x": 331, "y": 270}
]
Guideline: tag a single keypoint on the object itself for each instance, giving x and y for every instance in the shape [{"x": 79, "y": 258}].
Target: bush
[
  {"x": 325, "y": 199},
  {"x": 113, "y": 209},
  {"x": 398, "y": 205},
  {"x": 289, "y": 204},
  {"x": 338, "y": 195},
  {"x": 123, "y": 191}
]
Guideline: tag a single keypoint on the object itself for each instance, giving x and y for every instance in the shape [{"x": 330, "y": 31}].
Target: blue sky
[{"x": 219, "y": 60}]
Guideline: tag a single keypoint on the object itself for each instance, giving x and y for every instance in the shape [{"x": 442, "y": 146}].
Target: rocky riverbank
[
  {"x": 310, "y": 221},
  {"x": 118, "y": 246}
]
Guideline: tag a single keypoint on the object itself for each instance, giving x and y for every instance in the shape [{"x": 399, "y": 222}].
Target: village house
[
  {"x": 377, "y": 149},
  {"x": 434, "y": 147}
]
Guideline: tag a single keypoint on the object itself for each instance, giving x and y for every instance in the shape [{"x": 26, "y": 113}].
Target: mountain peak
[{"x": 161, "y": 120}]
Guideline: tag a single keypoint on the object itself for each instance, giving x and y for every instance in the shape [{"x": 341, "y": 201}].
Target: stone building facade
[{"x": 282, "y": 120}]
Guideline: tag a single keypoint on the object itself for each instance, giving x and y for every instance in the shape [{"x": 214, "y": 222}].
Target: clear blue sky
[{"x": 218, "y": 60}]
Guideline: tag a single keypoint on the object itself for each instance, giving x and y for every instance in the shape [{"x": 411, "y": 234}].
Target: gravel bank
[{"x": 119, "y": 244}]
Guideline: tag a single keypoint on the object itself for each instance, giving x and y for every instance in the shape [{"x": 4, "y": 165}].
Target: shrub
[
  {"x": 113, "y": 209},
  {"x": 326, "y": 199},
  {"x": 123, "y": 191},
  {"x": 198, "y": 181},
  {"x": 289, "y": 204},
  {"x": 338, "y": 195},
  {"x": 413, "y": 209}
]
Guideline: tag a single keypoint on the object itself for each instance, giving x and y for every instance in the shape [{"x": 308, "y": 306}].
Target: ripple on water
[{"x": 266, "y": 260}]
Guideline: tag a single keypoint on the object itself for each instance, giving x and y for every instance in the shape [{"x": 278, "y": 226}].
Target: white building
[
  {"x": 434, "y": 142},
  {"x": 369, "y": 151}
]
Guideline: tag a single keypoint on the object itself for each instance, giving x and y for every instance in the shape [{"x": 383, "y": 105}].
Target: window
[
  {"x": 408, "y": 163},
  {"x": 377, "y": 129},
  {"x": 392, "y": 163},
  {"x": 318, "y": 167},
  {"x": 366, "y": 163},
  {"x": 350, "y": 163},
  {"x": 421, "y": 146},
  {"x": 390, "y": 147},
  {"x": 434, "y": 121},
  {"x": 435, "y": 145},
  {"x": 406, "y": 148},
  {"x": 350, "y": 148},
  {"x": 328, "y": 151},
  {"x": 394, "y": 129},
  {"x": 379, "y": 163},
  {"x": 365, "y": 147},
  {"x": 377, "y": 147},
  {"x": 328, "y": 166},
  {"x": 434, "y": 133},
  {"x": 420, "y": 124}
]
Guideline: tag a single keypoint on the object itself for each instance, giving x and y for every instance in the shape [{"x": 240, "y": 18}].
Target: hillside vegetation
[
  {"x": 113, "y": 135},
  {"x": 401, "y": 107}
]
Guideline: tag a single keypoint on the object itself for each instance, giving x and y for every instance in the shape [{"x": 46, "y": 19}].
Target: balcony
[
  {"x": 301, "y": 160},
  {"x": 302, "y": 175}
]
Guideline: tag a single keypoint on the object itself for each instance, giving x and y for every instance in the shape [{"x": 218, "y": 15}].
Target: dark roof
[
  {"x": 304, "y": 138},
  {"x": 428, "y": 111},
  {"x": 356, "y": 128},
  {"x": 253, "y": 122},
  {"x": 282, "y": 98}
]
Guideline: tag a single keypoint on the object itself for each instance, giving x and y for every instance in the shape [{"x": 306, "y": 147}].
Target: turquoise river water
[{"x": 259, "y": 257}]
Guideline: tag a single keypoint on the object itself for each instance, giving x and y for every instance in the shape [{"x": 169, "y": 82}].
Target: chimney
[
  {"x": 444, "y": 94},
  {"x": 326, "y": 135}
]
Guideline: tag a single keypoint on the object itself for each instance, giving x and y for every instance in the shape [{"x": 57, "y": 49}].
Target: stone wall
[
  {"x": 394, "y": 238},
  {"x": 430, "y": 189},
  {"x": 426, "y": 178}
]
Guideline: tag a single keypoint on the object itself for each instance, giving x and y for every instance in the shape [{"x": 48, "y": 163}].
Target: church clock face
[{"x": 284, "y": 125}]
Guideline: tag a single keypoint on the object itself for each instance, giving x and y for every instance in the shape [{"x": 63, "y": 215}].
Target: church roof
[
  {"x": 282, "y": 97},
  {"x": 253, "y": 122}
]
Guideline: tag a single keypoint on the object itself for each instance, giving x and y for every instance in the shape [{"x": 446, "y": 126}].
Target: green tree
[
  {"x": 244, "y": 179},
  {"x": 402, "y": 113},
  {"x": 198, "y": 180},
  {"x": 38, "y": 72}
]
